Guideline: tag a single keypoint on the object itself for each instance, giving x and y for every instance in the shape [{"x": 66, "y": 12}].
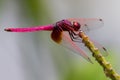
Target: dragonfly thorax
[{"x": 64, "y": 25}]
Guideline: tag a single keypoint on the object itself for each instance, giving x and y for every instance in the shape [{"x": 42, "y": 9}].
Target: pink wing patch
[{"x": 71, "y": 45}]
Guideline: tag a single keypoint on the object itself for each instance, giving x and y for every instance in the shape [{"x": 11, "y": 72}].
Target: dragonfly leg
[
  {"x": 61, "y": 26},
  {"x": 74, "y": 37}
]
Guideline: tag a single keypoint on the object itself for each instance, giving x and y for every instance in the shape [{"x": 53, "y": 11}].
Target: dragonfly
[{"x": 66, "y": 32}]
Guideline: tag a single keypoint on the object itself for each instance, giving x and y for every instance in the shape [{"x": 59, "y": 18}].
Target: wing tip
[
  {"x": 89, "y": 60},
  {"x": 100, "y": 19},
  {"x": 106, "y": 51}
]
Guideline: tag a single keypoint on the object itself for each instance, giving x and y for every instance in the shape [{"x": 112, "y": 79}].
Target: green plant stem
[{"x": 107, "y": 67}]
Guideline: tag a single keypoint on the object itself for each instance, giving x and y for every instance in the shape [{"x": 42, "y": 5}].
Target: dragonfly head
[{"x": 76, "y": 26}]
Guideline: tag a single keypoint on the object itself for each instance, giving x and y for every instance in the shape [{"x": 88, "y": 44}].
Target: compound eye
[{"x": 76, "y": 26}]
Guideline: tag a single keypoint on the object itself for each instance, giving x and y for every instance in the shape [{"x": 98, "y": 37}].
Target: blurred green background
[{"x": 34, "y": 56}]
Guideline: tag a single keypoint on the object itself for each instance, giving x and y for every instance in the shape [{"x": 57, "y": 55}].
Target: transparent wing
[
  {"x": 88, "y": 24},
  {"x": 103, "y": 50},
  {"x": 72, "y": 46}
]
